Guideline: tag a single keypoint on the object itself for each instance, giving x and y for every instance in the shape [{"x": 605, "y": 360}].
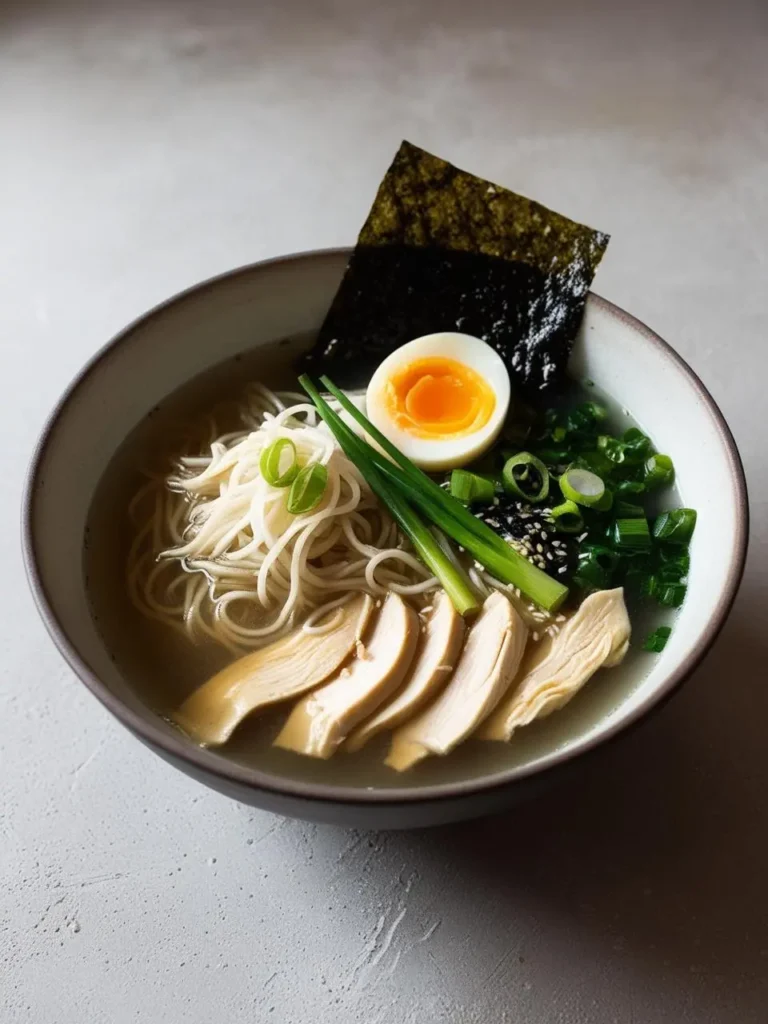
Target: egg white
[{"x": 430, "y": 453}]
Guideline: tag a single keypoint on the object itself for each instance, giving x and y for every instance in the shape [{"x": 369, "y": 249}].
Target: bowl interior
[{"x": 254, "y": 306}]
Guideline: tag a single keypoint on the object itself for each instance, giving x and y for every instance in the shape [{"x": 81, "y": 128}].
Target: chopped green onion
[
  {"x": 675, "y": 562},
  {"x": 559, "y": 434},
  {"x": 567, "y": 517},
  {"x": 586, "y": 417},
  {"x": 641, "y": 582},
  {"x": 582, "y": 486},
  {"x": 676, "y": 525},
  {"x": 605, "y": 503},
  {"x": 657, "y": 640},
  {"x": 307, "y": 489},
  {"x": 637, "y": 446},
  {"x": 591, "y": 576},
  {"x": 671, "y": 595},
  {"x": 659, "y": 471},
  {"x": 594, "y": 461},
  {"x": 632, "y": 534},
  {"x": 596, "y": 566},
  {"x": 455, "y": 519},
  {"x": 526, "y": 476},
  {"x": 605, "y": 557},
  {"x": 453, "y": 579},
  {"x": 470, "y": 487},
  {"x": 612, "y": 448},
  {"x": 628, "y": 510},
  {"x": 553, "y": 456},
  {"x": 627, "y": 488},
  {"x": 272, "y": 462}
]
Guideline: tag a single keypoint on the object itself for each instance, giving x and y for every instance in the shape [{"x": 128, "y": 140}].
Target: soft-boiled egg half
[{"x": 442, "y": 399}]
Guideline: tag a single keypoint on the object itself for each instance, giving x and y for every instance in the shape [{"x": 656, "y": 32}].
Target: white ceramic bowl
[{"x": 258, "y": 304}]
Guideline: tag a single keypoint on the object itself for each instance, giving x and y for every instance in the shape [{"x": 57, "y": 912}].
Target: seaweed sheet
[{"x": 444, "y": 250}]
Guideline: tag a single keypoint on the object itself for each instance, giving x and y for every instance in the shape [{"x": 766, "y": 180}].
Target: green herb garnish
[
  {"x": 657, "y": 640},
  {"x": 273, "y": 466},
  {"x": 307, "y": 489}
]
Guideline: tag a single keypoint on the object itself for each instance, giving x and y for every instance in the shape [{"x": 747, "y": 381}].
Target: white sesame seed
[
  {"x": 582, "y": 537},
  {"x": 562, "y": 568},
  {"x": 539, "y": 549}
]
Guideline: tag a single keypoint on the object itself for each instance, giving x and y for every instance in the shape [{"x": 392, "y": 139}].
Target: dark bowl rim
[{"x": 177, "y": 747}]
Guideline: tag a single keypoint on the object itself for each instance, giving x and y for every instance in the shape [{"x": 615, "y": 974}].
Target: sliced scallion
[
  {"x": 567, "y": 517},
  {"x": 657, "y": 640},
  {"x": 596, "y": 566},
  {"x": 470, "y": 487},
  {"x": 276, "y": 470},
  {"x": 632, "y": 534},
  {"x": 677, "y": 525},
  {"x": 612, "y": 448},
  {"x": 582, "y": 486},
  {"x": 637, "y": 446},
  {"x": 659, "y": 471},
  {"x": 671, "y": 595},
  {"x": 629, "y": 488},
  {"x": 628, "y": 510},
  {"x": 526, "y": 476},
  {"x": 586, "y": 418},
  {"x": 307, "y": 489}
]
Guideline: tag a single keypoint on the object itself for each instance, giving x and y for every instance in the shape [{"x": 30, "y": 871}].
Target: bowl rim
[{"x": 199, "y": 759}]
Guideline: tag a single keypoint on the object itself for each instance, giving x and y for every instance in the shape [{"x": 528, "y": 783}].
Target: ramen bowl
[{"x": 247, "y": 310}]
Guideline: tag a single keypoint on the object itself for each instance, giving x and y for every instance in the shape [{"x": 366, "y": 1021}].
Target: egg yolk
[{"x": 438, "y": 398}]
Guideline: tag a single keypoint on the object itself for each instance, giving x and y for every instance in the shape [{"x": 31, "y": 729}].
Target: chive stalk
[
  {"x": 454, "y": 580},
  {"x": 450, "y": 515}
]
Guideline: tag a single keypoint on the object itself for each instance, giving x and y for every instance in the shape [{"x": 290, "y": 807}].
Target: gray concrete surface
[{"x": 148, "y": 145}]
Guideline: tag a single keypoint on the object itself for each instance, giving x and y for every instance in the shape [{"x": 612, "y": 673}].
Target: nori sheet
[{"x": 444, "y": 250}]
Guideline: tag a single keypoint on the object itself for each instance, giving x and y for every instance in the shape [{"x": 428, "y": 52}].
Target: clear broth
[{"x": 164, "y": 668}]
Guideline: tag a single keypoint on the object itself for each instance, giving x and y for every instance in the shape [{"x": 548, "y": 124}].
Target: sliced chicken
[
  {"x": 488, "y": 664},
  {"x": 322, "y": 721},
  {"x": 597, "y": 636},
  {"x": 439, "y": 646},
  {"x": 282, "y": 671}
]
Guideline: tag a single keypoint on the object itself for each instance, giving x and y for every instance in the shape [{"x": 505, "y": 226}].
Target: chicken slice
[
  {"x": 282, "y": 671},
  {"x": 596, "y": 636},
  {"x": 321, "y": 721},
  {"x": 487, "y": 666},
  {"x": 436, "y": 656}
]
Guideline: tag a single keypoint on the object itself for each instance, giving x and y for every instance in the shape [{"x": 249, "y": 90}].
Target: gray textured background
[{"x": 145, "y": 149}]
